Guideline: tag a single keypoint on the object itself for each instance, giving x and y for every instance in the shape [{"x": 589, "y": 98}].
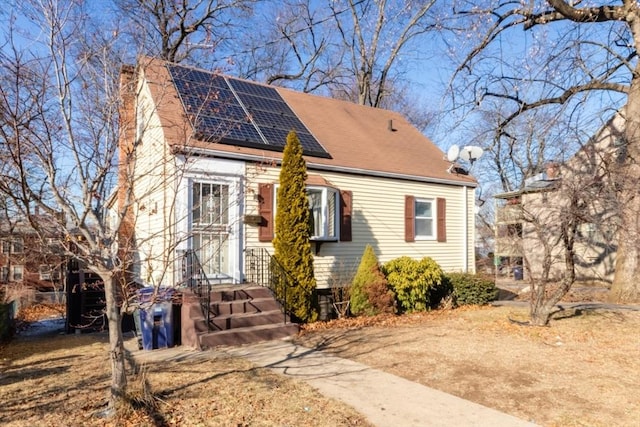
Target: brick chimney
[{"x": 126, "y": 142}]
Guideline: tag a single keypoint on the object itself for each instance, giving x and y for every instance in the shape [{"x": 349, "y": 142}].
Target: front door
[{"x": 211, "y": 228}]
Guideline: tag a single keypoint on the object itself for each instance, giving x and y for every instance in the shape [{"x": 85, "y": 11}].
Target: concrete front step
[
  {"x": 247, "y": 335},
  {"x": 231, "y": 321},
  {"x": 241, "y": 306},
  {"x": 240, "y": 294}
]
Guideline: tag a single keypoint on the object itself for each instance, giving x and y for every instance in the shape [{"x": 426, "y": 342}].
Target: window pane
[
  {"x": 205, "y": 203},
  {"x": 424, "y": 227},
  {"x": 423, "y": 209},
  {"x": 315, "y": 214},
  {"x": 331, "y": 205},
  {"x": 195, "y": 202},
  {"x": 224, "y": 205},
  {"x": 210, "y": 204},
  {"x": 17, "y": 273},
  {"x": 18, "y": 246}
]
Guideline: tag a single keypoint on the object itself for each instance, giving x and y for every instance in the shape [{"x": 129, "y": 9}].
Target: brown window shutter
[
  {"x": 409, "y": 218},
  {"x": 442, "y": 219},
  {"x": 346, "y": 198},
  {"x": 265, "y": 209}
]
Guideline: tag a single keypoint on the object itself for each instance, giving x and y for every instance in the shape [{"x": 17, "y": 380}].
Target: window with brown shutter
[
  {"x": 425, "y": 219},
  {"x": 265, "y": 209},
  {"x": 346, "y": 198},
  {"x": 324, "y": 226}
]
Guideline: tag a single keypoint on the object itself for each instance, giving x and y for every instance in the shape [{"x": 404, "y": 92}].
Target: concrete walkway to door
[{"x": 385, "y": 399}]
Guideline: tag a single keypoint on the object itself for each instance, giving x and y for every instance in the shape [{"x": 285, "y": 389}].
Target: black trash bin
[
  {"x": 156, "y": 318},
  {"x": 517, "y": 272}
]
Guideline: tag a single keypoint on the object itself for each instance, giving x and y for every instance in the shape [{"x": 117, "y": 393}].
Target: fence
[{"x": 7, "y": 319}]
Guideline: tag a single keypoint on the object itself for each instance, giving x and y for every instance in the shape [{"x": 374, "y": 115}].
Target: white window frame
[
  {"x": 45, "y": 271},
  {"x": 9, "y": 245},
  {"x": 325, "y": 210},
  {"x": 12, "y": 275},
  {"x": 433, "y": 218}
]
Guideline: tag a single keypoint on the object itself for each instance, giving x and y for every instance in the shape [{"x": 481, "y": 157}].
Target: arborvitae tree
[
  {"x": 292, "y": 240},
  {"x": 370, "y": 293}
]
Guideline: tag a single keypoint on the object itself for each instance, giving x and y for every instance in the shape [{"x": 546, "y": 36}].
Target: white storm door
[{"x": 211, "y": 228}]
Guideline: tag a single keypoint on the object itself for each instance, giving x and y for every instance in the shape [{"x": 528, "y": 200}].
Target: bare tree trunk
[
  {"x": 116, "y": 344},
  {"x": 626, "y": 286}
]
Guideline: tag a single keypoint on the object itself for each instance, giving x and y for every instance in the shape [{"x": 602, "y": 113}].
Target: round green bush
[
  {"x": 413, "y": 282},
  {"x": 471, "y": 289}
]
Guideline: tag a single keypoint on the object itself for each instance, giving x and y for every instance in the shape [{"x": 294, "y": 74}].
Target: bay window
[
  {"x": 329, "y": 212},
  {"x": 323, "y": 213}
]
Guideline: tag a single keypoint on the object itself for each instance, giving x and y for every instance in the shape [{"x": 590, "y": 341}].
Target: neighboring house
[
  {"x": 31, "y": 256},
  {"x": 530, "y": 220},
  {"x": 206, "y": 166}
]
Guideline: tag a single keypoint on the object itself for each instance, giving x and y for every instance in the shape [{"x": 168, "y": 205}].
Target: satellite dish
[
  {"x": 471, "y": 153},
  {"x": 452, "y": 154}
]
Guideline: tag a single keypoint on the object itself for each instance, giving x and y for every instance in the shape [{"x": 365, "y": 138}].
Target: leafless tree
[
  {"x": 182, "y": 30},
  {"x": 572, "y": 57},
  {"x": 70, "y": 134},
  {"x": 291, "y": 44},
  {"x": 360, "y": 51},
  {"x": 564, "y": 228},
  {"x": 61, "y": 126},
  {"x": 59, "y": 99},
  {"x": 375, "y": 34}
]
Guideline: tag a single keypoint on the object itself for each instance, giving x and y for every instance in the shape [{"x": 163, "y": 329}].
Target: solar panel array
[{"x": 237, "y": 112}]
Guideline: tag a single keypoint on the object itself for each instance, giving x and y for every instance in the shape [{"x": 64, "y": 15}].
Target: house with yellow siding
[{"x": 203, "y": 152}]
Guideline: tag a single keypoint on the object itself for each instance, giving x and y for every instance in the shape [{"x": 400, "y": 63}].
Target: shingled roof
[{"x": 359, "y": 139}]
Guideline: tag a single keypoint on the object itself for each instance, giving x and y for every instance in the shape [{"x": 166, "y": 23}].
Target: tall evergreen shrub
[
  {"x": 292, "y": 239},
  {"x": 370, "y": 293}
]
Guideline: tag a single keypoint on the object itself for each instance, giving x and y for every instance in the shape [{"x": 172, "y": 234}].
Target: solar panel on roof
[
  {"x": 254, "y": 89},
  {"x": 268, "y": 119},
  {"x": 237, "y": 112}
]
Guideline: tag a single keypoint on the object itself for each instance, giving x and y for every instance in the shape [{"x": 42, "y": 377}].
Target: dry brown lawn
[
  {"x": 62, "y": 380},
  {"x": 583, "y": 370}
]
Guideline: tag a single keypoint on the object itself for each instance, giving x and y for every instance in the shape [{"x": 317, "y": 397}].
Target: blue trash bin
[
  {"x": 156, "y": 319},
  {"x": 517, "y": 273}
]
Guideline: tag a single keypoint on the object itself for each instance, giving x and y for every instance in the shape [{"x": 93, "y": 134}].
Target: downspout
[{"x": 465, "y": 229}]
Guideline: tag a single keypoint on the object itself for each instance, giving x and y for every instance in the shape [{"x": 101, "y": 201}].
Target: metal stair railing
[
  {"x": 264, "y": 269},
  {"x": 196, "y": 279}
]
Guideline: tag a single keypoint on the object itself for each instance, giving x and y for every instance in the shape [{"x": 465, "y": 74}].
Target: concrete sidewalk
[{"x": 385, "y": 399}]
